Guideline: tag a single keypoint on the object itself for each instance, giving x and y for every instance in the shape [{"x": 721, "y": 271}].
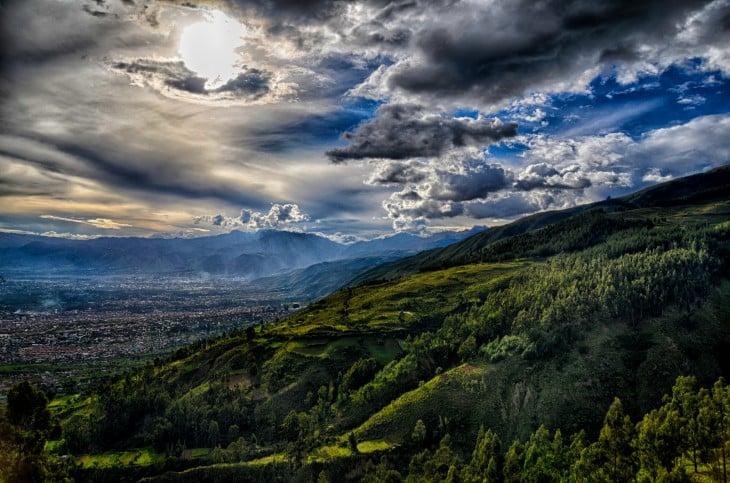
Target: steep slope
[
  {"x": 614, "y": 299},
  {"x": 699, "y": 189}
]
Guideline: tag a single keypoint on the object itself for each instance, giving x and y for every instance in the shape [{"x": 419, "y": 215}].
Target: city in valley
[{"x": 65, "y": 334}]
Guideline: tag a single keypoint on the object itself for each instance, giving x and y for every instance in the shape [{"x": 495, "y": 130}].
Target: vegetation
[
  {"x": 476, "y": 362},
  {"x": 686, "y": 439},
  {"x": 25, "y": 426}
]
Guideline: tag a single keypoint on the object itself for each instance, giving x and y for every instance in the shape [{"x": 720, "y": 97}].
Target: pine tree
[
  {"x": 614, "y": 444},
  {"x": 486, "y": 460}
]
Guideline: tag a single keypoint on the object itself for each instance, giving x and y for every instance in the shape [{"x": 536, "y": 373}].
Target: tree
[
  {"x": 233, "y": 432},
  {"x": 468, "y": 348},
  {"x": 538, "y": 461},
  {"x": 659, "y": 441},
  {"x": 352, "y": 442},
  {"x": 27, "y": 408},
  {"x": 486, "y": 459},
  {"x": 419, "y": 432},
  {"x": 291, "y": 427},
  {"x": 714, "y": 418},
  {"x": 358, "y": 374},
  {"x": 614, "y": 443},
  {"x": 382, "y": 473},
  {"x": 214, "y": 433},
  {"x": 687, "y": 403},
  {"x": 24, "y": 428},
  {"x": 437, "y": 467},
  {"x": 513, "y": 462}
]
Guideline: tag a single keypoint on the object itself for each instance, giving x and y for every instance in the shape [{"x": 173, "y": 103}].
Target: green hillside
[
  {"x": 697, "y": 190},
  {"x": 538, "y": 324}
]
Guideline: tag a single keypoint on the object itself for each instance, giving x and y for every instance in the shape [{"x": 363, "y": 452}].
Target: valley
[
  {"x": 66, "y": 334},
  {"x": 74, "y": 313}
]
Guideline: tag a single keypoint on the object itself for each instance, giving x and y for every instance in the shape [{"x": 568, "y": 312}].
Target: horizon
[
  {"x": 349, "y": 120},
  {"x": 177, "y": 236}
]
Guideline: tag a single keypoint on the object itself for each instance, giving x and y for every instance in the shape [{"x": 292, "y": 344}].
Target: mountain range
[{"x": 246, "y": 255}]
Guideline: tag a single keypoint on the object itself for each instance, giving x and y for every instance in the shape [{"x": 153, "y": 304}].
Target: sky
[{"x": 351, "y": 119}]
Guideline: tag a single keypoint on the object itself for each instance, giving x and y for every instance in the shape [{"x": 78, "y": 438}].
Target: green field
[{"x": 135, "y": 457}]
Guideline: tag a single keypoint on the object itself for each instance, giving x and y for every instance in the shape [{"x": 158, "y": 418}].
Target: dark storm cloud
[
  {"x": 84, "y": 124},
  {"x": 477, "y": 180},
  {"x": 379, "y": 25},
  {"x": 402, "y": 131},
  {"x": 298, "y": 11},
  {"x": 60, "y": 33},
  {"x": 171, "y": 74},
  {"x": 377, "y": 35},
  {"x": 397, "y": 173},
  {"x": 508, "y": 48},
  {"x": 250, "y": 84},
  {"x": 441, "y": 188},
  {"x": 93, "y": 12}
]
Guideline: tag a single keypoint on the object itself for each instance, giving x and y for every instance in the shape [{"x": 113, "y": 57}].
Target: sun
[{"x": 209, "y": 48}]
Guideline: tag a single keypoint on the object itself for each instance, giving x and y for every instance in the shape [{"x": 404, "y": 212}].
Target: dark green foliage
[
  {"x": 652, "y": 450},
  {"x": 25, "y": 426},
  {"x": 419, "y": 432},
  {"x": 440, "y": 465},
  {"x": 486, "y": 459},
  {"x": 352, "y": 442},
  {"x": 358, "y": 374},
  {"x": 382, "y": 473},
  {"x": 27, "y": 408}
]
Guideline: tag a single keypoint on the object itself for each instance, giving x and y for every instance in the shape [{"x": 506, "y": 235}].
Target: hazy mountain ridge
[{"x": 236, "y": 254}]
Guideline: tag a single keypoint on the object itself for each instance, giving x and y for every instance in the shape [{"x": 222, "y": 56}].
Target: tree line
[{"x": 688, "y": 436}]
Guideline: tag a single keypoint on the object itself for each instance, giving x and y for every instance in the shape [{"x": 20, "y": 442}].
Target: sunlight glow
[{"x": 208, "y": 48}]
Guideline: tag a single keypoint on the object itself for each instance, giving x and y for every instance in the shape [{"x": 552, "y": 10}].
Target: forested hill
[
  {"x": 420, "y": 375},
  {"x": 698, "y": 189}
]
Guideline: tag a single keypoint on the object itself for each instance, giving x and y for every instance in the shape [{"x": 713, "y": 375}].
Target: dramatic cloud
[
  {"x": 490, "y": 52},
  {"x": 404, "y": 131},
  {"x": 555, "y": 173},
  {"x": 174, "y": 79},
  {"x": 437, "y": 189},
  {"x": 139, "y": 117},
  {"x": 617, "y": 159}
]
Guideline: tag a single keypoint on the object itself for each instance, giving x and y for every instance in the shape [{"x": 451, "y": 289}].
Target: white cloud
[
  {"x": 695, "y": 100},
  {"x": 279, "y": 216},
  {"x": 654, "y": 175},
  {"x": 553, "y": 173}
]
